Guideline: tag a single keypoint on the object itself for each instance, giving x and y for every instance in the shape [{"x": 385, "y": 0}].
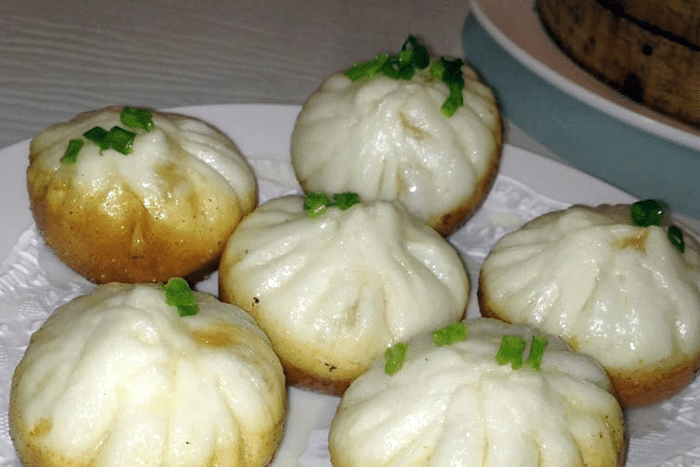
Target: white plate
[
  {"x": 33, "y": 283},
  {"x": 514, "y": 25}
]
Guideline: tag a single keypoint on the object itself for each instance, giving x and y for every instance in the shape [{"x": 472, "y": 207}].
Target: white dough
[
  {"x": 175, "y": 140},
  {"x": 117, "y": 378},
  {"x": 613, "y": 290},
  {"x": 454, "y": 406},
  {"x": 388, "y": 139},
  {"x": 164, "y": 210},
  {"x": 333, "y": 292}
]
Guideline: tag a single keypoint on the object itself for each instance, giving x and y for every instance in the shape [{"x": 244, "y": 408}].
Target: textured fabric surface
[{"x": 61, "y": 58}]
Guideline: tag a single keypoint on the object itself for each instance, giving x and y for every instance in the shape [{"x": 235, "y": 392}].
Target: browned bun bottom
[
  {"x": 124, "y": 249},
  {"x": 633, "y": 388},
  {"x": 447, "y": 223},
  {"x": 454, "y": 219},
  {"x": 638, "y": 388},
  {"x": 104, "y": 230},
  {"x": 302, "y": 379}
]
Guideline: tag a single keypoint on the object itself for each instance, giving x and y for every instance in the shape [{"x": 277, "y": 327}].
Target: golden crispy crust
[
  {"x": 127, "y": 244},
  {"x": 108, "y": 233},
  {"x": 637, "y": 389},
  {"x": 302, "y": 379}
]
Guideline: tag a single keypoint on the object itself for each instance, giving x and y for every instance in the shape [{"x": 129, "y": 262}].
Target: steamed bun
[
  {"x": 454, "y": 405},
  {"x": 619, "y": 292},
  {"x": 118, "y": 378},
  {"x": 164, "y": 210},
  {"x": 388, "y": 139},
  {"x": 332, "y": 292}
]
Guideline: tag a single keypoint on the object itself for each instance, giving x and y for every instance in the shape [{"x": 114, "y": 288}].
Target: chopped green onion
[
  {"x": 415, "y": 56},
  {"x": 675, "y": 236},
  {"x": 137, "y": 118},
  {"x": 453, "y": 102},
  {"x": 453, "y": 71},
  {"x": 121, "y": 140},
  {"x": 316, "y": 203},
  {"x": 511, "y": 351},
  {"x": 394, "y": 358},
  {"x": 346, "y": 200},
  {"x": 651, "y": 212},
  {"x": 98, "y": 135},
  {"x": 647, "y": 212},
  {"x": 178, "y": 293},
  {"x": 71, "y": 154},
  {"x": 512, "y": 348},
  {"x": 367, "y": 69},
  {"x": 405, "y": 57},
  {"x": 394, "y": 69},
  {"x": 534, "y": 360},
  {"x": 450, "y": 72},
  {"x": 437, "y": 69},
  {"x": 116, "y": 138},
  {"x": 450, "y": 334}
]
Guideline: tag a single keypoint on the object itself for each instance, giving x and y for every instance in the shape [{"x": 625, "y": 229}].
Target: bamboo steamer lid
[
  {"x": 677, "y": 18},
  {"x": 649, "y": 50}
]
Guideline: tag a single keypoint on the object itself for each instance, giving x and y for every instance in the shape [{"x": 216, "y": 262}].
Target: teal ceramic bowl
[{"x": 630, "y": 158}]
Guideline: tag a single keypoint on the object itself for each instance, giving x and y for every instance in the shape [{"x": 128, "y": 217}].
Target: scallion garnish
[
  {"x": 121, "y": 140},
  {"x": 367, "y": 69},
  {"x": 415, "y": 53},
  {"x": 649, "y": 212},
  {"x": 135, "y": 117},
  {"x": 71, "y": 154},
  {"x": 345, "y": 200},
  {"x": 394, "y": 69},
  {"x": 316, "y": 203},
  {"x": 98, "y": 135},
  {"x": 512, "y": 348},
  {"x": 450, "y": 334},
  {"x": 534, "y": 360},
  {"x": 450, "y": 72},
  {"x": 116, "y": 138},
  {"x": 675, "y": 236},
  {"x": 511, "y": 351},
  {"x": 394, "y": 357},
  {"x": 414, "y": 56},
  {"x": 178, "y": 293}
]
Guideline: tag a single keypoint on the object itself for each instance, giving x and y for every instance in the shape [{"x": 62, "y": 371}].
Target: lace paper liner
[{"x": 33, "y": 283}]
